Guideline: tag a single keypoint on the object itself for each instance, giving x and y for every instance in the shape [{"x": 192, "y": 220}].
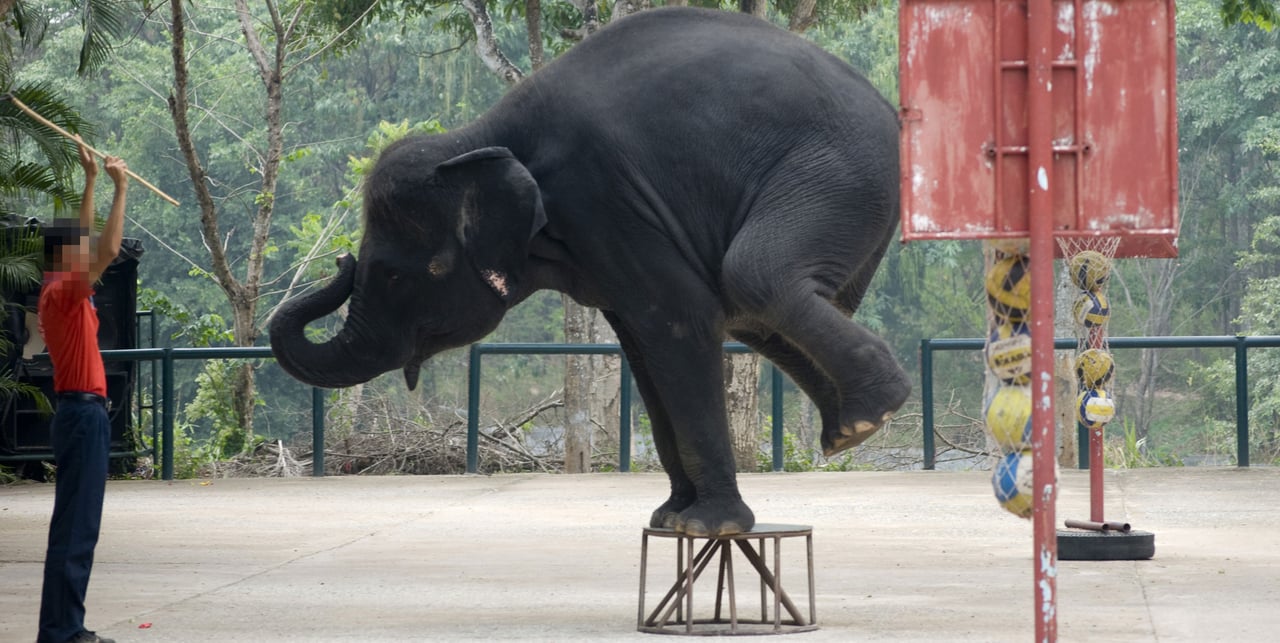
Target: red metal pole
[
  {"x": 1095, "y": 475},
  {"x": 1040, "y": 206}
]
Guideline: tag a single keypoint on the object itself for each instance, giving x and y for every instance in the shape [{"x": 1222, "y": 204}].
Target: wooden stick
[{"x": 71, "y": 136}]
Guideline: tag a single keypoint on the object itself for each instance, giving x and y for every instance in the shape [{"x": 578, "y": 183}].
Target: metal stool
[{"x": 674, "y": 613}]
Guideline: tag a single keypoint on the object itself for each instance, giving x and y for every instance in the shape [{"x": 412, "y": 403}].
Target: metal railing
[
  {"x": 165, "y": 357},
  {"x": 478, "y": 351},
  {"x": 1240, "y": 344},
  {"x": 163, "y": 441}
]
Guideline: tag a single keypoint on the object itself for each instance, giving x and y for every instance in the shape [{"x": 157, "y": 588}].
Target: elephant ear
[{"x": 499, "y": 213}]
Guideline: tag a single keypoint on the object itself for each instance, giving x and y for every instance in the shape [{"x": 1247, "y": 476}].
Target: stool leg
[
  {"x": 767, "y": 580},
  {"x": 733, "y": 601},
  {"x": 688, "y": 591},
  {"x": 813, "y": 610},
  {"x": 764, "y": 608},
  {"x": 777, "y": 584},
  {"x": 674, "y": 599},
  {"x": 724, "y": 560},
  {"x": 679, "y": 578},
  {"x": 644, "y": 557}
]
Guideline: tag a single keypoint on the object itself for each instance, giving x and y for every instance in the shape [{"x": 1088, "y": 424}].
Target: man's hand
[
  {"x": 116, "y": 169},
  {"x": 87, "y": 161}
]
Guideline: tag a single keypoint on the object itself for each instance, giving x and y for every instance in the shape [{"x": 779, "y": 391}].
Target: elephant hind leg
[
  {"x": 800, "y": 274},
  {"x": 812, "y": 380}
]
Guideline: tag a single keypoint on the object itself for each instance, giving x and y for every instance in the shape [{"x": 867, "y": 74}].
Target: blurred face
[{"x": 72, "y": 257}]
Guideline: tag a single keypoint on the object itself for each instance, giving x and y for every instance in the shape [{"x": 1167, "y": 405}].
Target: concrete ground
[{"x": 909, "y": 556}]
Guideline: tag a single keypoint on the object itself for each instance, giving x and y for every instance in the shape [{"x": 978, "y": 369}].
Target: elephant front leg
[
  {"x": 686, "y": 380},
  {"x": 683, "y": 493}
]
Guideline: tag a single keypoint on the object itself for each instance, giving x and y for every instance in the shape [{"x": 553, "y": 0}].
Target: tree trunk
[
  {"x": 742, "y": 397},
  {"x": 756, "y": 8},
  {"x": 803, "y": 16},
  {"x": 1158, "y": 277},
  {"x": 577, "y": 389},
  {"x": 487, "y": 44},
  {"x": 533, "y": 25},
  {"x": 591, "y": 387},
  {"x": 606, "y": 380},
  {"x": 241, "y": 295}
]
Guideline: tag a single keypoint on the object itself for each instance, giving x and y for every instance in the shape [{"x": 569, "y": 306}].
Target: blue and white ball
[
  {"x": 1013, "y": 484},
  {"x": 1094, "y": 408}
]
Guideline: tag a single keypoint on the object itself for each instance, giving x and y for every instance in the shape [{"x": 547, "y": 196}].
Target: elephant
[{"x": 690, "y": 173}]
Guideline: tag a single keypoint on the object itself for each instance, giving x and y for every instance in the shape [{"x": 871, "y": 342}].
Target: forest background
[{"x": 262, "y": 117}]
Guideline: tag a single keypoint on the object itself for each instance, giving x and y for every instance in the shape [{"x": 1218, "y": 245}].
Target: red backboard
[{"x": 963, "y": 77}]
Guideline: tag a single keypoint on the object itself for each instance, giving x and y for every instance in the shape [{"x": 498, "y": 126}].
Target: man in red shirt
[{"x": 81, "y": 431}]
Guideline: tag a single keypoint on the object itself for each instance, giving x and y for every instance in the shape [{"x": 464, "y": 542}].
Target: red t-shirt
[{"x": 69, "y": 324}]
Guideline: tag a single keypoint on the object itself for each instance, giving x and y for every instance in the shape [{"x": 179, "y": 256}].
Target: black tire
[{"x": 1105, "y": 545}]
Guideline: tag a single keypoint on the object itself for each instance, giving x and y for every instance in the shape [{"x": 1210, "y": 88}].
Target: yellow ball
[
  {"x": 1009, "y": 353},
  {"x": 1020, "y": 246},
  {"x": 1094, "y": 408},
  {"x": 1008, "y": 286},
  {"x": 1089, "y": 269},
  {"x": 1094, "y": 368},
  {"x": 1009, "y": 418}
]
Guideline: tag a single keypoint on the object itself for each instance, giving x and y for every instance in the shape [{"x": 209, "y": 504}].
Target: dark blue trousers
[{"x": 81, "y": 444}]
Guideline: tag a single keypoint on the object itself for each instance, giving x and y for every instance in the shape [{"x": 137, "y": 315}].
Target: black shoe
[{"x": 89, "y": 637}]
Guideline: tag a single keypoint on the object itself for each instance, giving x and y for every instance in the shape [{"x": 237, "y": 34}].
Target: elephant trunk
[{"x": 345, "y": 360}]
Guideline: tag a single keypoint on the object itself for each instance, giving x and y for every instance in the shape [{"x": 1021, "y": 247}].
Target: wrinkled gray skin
[{"x": 690, "y": 173}]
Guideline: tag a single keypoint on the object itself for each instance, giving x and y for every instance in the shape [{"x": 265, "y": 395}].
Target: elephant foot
[
  {"x": 857, "y": 426},
  {"x": 707, "y": 518},
  {"x": 851, "y": 435},
  {"x": 665, "y": 516}
]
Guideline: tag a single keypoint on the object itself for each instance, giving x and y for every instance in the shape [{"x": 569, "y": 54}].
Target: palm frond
[
  {"x": 10, "y": 388},
  {"x": 30, "y": 25},
  {"x": 19, "y": 263},
  {"x": 44, "y": 100},
  {"x": 27, "y": 178},
  {"x": 19, "y": 272},
  {"x": 104, "y": 22}
]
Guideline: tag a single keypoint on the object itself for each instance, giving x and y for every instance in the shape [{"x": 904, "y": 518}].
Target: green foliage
[
  {"x": 201, "y": 330},
  {"x": 212, "y": 404},
  {"x": 190, "y": 456},
  {"x": 384, "y": 135},
  {"x": 37, "y": 166},
  {"x": 1261, "y": 13},
  {"x": 104, "y": 22},
  {"x": 1132, "y": 452},
  {"x": 19, "y": 273}
]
